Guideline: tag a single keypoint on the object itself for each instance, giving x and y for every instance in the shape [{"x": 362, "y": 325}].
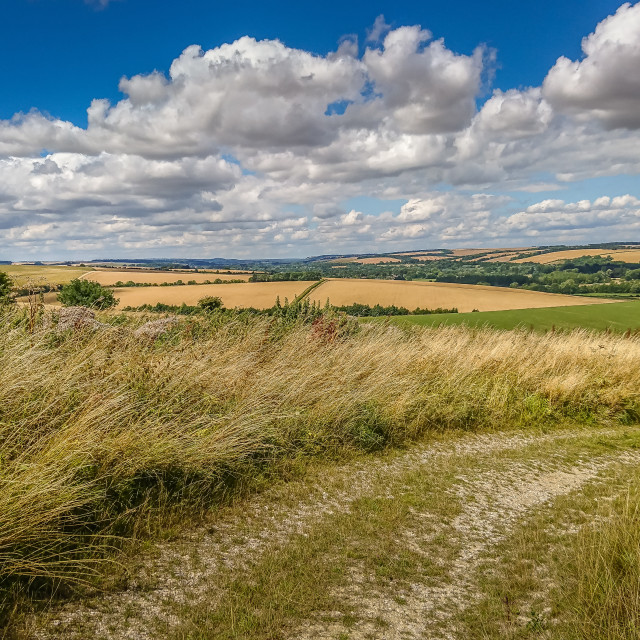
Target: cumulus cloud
[
  {"x": 618, "y": 215},
  {"x": 425, "y": 89},
  {"x": 606, "y": 84},
  {"x": 254, "y": 142}
]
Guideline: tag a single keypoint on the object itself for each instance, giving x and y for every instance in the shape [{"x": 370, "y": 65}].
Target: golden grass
[
  {"x": 605, "y": 579},
  {"x": 93, "y": 425},
  {"x": 42, "y": 274},
  {"x": 431, "y": 295},
  {"x": 625, "y": 255},
  {"x": 110, "y": 277},
  {"x": 99, "y": 429},
  {"x": 260, "y": 295}
]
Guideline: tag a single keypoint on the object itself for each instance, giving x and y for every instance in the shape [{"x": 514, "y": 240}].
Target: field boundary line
[{"x": 308, "y": 290}]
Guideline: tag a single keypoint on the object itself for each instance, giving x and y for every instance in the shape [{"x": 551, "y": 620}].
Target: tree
[
  {"x": 210, "y": 303},
  {"x": 85, "y": 293},
  {"x": 5, "y": 287}
]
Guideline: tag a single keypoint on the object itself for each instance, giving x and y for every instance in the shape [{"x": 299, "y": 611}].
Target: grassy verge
[
  {"x": 619, "y": 317},
  {"x": 104, "y": 434},
  {"x": 570, "y": 571}
]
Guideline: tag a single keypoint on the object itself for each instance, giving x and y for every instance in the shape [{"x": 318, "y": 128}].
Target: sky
[{"x": 146, "y": 128}]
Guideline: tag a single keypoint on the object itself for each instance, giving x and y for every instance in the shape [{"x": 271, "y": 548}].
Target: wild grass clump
[
  {"x": 604, "y": 597},
  {"x": 101, "y": 432}
]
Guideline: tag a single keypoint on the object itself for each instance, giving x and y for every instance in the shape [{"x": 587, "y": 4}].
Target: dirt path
[
  {"x": 494, "y": 504},
  {"x": 497, "y": 480}
]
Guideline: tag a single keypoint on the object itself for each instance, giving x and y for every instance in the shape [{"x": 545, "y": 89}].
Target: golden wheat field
[
  {"x": 625, "y": 255},
  {"x": 428, "y": 258},
  {"x": 431, "y": 295},
  {"x": 375, "y": 260},
  {"x": 260, "y": 295},
  {"x": 380, "y": 260},
  {"x": 110, "y": 277},
  {"x": 23, "y": 274}
]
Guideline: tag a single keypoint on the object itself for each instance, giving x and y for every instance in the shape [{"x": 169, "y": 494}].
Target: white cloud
[
  {"x": 255, "y": 142},
  {"x": 606, "y": 84},
  {"x": 424, "y": 88},
  {"x": 613, "y": 218}
]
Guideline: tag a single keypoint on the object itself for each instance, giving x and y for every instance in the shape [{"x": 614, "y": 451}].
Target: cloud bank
[{"x": 253, "y": 148}]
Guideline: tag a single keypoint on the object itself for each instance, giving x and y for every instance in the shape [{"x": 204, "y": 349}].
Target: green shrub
[
  {"x": 5, "y": 287},
  {"x": 86, "y": 293},
  {"x": 210, "y": 303}
]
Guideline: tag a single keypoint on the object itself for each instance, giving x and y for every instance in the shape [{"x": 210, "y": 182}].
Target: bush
[
  {"x": 5, "y": 287},
  {"x": 85, "y": 293},
  {"x": 210, "y": 303}
]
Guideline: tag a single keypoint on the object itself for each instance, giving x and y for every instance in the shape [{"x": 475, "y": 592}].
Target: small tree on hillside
[
  {"x": 85, "y": 293},
  {"x": 5, "y": 287}
]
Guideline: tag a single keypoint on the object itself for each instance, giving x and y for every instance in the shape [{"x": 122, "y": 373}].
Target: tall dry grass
[
  {"x": 602, "y": 575},
  {"x": 99, "y": 430}
]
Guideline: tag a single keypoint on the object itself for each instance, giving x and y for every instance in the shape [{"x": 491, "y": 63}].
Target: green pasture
[{"x": 617, "y": 316}]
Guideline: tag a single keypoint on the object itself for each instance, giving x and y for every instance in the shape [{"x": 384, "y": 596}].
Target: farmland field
[
  {"x": 380, "y": 260},
  {"x": 21, "y": 274},
  {"x": 616, "y": 317},
  {"x": 110, "y": 277},
  {"x": 432, "y": 295},
  {"x": 375, "y": 260},
  {"x": 260, "y": 295},
  {"x": 624, "y": 255}
]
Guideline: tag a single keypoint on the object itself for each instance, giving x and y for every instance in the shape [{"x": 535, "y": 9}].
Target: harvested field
[
  {"x": 380, "y": 260},
  {"x": 492, "y": 257},
  {"x": 624, "y": 255},
  {"x": 429, "y": 258},
  {"x": 507, "y": 257},
  {"x": 260, "y": 295},
  {"x": 431, "y": 295},
  {"x": 462, "y": 253},
  {"x": 22, "y": 274},
  {"x": 374, "y": 260},
  {"x": 110, "y": 277}
]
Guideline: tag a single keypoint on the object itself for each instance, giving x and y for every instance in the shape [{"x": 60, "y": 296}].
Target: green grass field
[{"x": 618, "y": 316}]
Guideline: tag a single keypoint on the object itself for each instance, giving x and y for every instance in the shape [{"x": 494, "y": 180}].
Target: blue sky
[
  {"x": 60, "y": 54},
  {"x": 501, "y": 134}
]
